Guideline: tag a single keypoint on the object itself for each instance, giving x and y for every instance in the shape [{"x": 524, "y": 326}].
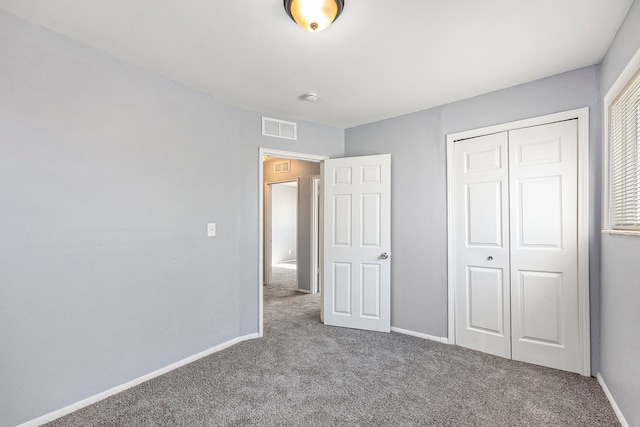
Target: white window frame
[{"x": 625, "y": 77}]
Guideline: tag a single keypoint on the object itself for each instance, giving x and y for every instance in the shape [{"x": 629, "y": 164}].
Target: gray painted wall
[
  {"x": 312, "y": 139},
  {"x": 106, "y": 186},
  {"x": 418, "y": 215},
  {"x": 108, "y": 176},
  {"x": 620, "y": 304},
  {"x": 304, "y": 171},
  {"x": 417, "y": 143}
]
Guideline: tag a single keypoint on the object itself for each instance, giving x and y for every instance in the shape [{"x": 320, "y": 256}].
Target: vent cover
[
  {"x": 282, "y": 167},
  {"x": 279, "y": 128}
]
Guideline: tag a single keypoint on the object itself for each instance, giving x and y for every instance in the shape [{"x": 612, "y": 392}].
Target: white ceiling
[{"x": 380, "y": 59}]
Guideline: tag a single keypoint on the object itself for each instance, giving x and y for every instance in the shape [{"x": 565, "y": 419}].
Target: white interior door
[
  {"x": 516, "y": 244},
  {"x": 356, "y": 271},
  {"x": 544, "y": 245},
  {"x": 482, "y": 244},
  {"x": 315, "y": 234}
]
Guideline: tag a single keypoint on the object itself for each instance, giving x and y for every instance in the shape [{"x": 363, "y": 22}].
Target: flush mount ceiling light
[{"x": 314, "y": 15}]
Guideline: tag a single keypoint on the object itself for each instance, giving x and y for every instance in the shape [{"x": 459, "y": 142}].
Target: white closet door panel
[
  {"x": 485, "y": 289},
  {"x": 544, "y": 252},
  {"x": 482, "y": 245},
  {"x": 539, "y": 212},
  {"x": 484, "y": 216}
]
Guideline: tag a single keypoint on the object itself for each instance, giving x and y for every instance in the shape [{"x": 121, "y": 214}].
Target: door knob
[
  {"x": 489, "y": 258},
  {"x": 384, "y": 255}
]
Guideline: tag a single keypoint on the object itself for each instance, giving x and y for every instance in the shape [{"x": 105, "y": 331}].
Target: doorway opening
[
  {"x": 281, "y": 223},
  {"x": 275, "y": 168}
]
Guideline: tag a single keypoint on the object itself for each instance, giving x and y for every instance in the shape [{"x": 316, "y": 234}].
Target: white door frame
[
  {"x": 268, "y": 219},
  {"x": 283, "y": 155},
  {"x": 315, "y": 234},
  {"x": 582, "y": 115}
]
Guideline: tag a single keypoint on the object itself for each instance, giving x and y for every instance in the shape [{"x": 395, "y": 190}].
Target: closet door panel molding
[{"x": 540, "y": 197}]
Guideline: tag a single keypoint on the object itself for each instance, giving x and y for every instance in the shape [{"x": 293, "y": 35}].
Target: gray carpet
[{"x": 305, "y": 374}]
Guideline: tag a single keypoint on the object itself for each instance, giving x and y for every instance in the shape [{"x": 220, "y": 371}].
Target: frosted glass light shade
[{"x": 314, "y": 15}]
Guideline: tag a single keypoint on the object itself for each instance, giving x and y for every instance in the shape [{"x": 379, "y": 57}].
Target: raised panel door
[
  {"x": 482, "y": 276},
  {"x": 356, "y": 280},
  {"x": 544, "y": 245}
]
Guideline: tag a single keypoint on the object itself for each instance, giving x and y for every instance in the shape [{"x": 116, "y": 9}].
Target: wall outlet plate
[{"x": 211, "y": 229}]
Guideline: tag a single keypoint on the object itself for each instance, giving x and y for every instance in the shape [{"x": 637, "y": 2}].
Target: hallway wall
[
  {"x": 284, "y": 222},
  {"x": 303, "y": 171}
]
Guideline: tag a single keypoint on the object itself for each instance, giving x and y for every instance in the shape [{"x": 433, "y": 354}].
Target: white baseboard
[
  {"x": 614, "y": 405},
  {"x": 100, "y": 396},
  {"x": 304, "y": 291},
  {"x": 420, "y": 335}
]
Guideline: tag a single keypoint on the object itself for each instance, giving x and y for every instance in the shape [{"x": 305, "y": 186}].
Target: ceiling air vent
[
  {"x": 279, "y": 128},
  {"x": 282, "y": 167}
]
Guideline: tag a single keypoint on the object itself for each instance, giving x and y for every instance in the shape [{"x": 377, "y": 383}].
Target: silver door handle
[{"x": 384, "y": 255}]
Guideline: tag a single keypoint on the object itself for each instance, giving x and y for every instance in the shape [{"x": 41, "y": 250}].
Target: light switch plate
[{"x": 211, "y": 229}]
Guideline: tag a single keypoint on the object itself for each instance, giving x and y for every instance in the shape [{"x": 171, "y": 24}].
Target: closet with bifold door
[{"x": 514, "y": 231}]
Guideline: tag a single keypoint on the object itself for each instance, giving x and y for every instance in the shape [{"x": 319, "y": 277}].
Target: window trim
[{"x": 620, "y": 84}]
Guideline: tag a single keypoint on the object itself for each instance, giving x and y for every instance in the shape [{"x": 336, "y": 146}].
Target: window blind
[{"x": 624, "y": 160}]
